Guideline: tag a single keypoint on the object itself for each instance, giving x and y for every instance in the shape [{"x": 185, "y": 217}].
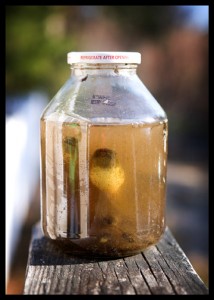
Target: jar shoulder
[{"x": 107, "y": 99}]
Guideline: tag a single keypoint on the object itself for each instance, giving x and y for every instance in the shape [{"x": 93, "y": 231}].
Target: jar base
[{"x": 94, "y": 248}]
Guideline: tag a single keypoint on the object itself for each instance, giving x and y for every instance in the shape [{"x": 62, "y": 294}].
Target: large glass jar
[{"x": 103, "y": 159}]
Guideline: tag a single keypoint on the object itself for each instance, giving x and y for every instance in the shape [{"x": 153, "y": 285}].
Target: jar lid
[{"x": 104, "y": 57}]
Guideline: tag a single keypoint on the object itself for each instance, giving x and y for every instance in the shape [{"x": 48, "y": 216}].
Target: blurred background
[{"x": 173, "y": 41}]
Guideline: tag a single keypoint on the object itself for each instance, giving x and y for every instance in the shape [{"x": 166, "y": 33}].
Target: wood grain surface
[{"x": 160, "y": 269}]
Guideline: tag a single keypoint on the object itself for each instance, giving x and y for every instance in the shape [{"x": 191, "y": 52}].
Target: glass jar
[{"x": 103, "y": 159}]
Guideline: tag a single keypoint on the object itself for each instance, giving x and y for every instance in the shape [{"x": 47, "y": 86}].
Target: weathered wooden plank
[
  {"x": 161, "y": 269},
  {"x": 123, "y": 279},
  {"x": 177, "y": 267},
  {"x": 110, "y": 283},
  {"x": 164, "y": 285},
  {"x": 136, "y": 277}
]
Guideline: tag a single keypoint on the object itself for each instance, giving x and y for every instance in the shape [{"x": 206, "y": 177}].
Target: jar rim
[{"x": 104, "y": 57}]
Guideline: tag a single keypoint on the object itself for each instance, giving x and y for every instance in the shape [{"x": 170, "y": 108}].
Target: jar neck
[{"x": 103, "y": 69}]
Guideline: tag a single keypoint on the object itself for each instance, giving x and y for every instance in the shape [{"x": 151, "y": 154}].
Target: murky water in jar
[{"x": 103, "y": 186}]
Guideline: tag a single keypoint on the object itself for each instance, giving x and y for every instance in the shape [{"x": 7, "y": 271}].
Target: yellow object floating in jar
[{"x": 106, "y": 173}]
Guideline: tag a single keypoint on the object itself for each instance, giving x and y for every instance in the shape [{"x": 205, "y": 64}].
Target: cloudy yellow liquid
[{"x": 103, "y": 186}]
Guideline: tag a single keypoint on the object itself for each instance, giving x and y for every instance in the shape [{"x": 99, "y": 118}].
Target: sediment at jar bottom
[{"x": 107, "y": 246}]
